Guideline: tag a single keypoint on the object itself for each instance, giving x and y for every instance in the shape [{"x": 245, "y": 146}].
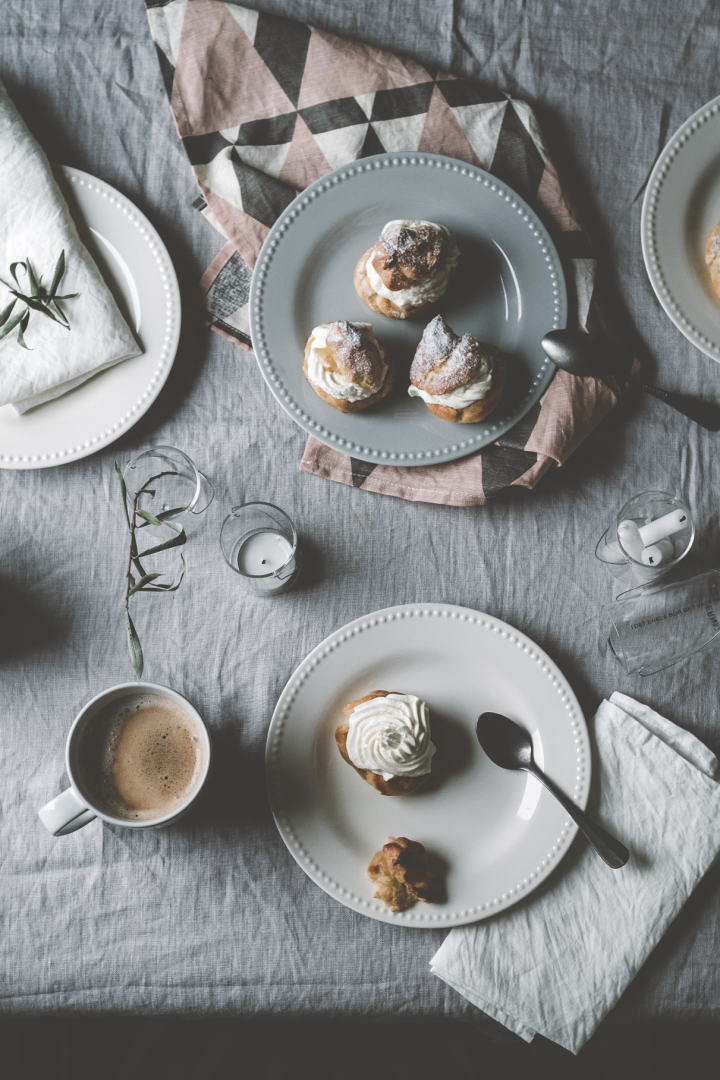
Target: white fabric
[
  {"x": 35, "y": 223},
  {"x": 558, "y": 962}
]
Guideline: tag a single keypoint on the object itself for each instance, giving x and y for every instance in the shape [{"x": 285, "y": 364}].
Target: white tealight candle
[{"x": 264, "y": 552}]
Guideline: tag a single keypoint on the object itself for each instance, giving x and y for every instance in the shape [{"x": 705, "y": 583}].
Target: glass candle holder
[
  {"x": 259, "y": 542},
  {"x": 652, "y": 533}
]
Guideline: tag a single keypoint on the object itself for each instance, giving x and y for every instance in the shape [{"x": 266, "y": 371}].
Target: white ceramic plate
[
  {"x": 495, "y": 834},
  {"x": 137, "y": 268},
  {"x": 680, "y": 208},
  {"x": 508, "y": 288}
]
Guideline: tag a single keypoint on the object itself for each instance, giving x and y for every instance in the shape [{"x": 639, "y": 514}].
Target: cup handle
[{"x": 65, "y": 813}]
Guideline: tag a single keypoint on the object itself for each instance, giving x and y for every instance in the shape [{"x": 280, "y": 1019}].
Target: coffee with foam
[{"x": 141, "y": 757}]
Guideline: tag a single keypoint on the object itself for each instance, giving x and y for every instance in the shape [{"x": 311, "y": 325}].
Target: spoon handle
[
  {"x": 704, "y": 413},
  {"x": 608, "y": 848}
]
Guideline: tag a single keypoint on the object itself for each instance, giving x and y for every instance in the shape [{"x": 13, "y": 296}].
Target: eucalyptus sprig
[
  {"x": 145, "y": 582},
  {"x": 39, "y": 299}
]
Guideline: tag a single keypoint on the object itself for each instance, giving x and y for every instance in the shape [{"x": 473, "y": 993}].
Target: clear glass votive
[
  {"x": 260, "y": 544},
  {"x": 656, "y": 626},
  {"x": 169, "y": 482},
  {"x": 614, "y": 549}
]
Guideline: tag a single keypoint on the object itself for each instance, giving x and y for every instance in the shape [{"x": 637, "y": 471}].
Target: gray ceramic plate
[
  {"x": 508, "y": 288},
  {"x": 681, "y": 206}
]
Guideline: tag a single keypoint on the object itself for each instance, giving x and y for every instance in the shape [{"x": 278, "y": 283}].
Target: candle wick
[{"x": 263, "y": 562}]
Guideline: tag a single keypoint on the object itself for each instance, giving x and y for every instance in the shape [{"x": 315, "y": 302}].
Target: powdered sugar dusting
[
  {"x": 445, "y": 361},
  {"x": 357, "y": 353}
]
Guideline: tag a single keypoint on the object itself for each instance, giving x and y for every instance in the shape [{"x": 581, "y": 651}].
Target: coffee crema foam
[{"x": 141, "y": 757}]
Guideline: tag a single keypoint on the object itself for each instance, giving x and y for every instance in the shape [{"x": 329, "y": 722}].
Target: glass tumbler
[
  {"x": 169, "y": 484},
  {"x": 633, "y": 562},
  {"x": 656, "y": 626},
  {"x": 259, "y": 542}
]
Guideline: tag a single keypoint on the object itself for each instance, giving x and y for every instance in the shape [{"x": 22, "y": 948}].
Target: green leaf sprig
[
  {"x": 146, "y": 582},
  {"x": 40, "y": 299}
]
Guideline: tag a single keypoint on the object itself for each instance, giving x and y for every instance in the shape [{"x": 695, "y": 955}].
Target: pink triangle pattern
[
  {"x": 305, "y": 162},
  {"x": 442, "y": 133},
  {"x": 220, "y": 79},
  {"x": 336, "y": 68}
]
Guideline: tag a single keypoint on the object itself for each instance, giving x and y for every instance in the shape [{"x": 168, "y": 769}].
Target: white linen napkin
[
  {"x": 560, "y": 960},
  {"x": 35, "y": 223}
]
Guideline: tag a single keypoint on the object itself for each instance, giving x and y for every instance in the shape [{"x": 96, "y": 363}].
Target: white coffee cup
[{"x": 75, "y": 807}]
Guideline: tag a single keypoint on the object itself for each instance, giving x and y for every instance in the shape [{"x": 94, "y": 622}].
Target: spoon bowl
[{"x": 510, "y": 747}]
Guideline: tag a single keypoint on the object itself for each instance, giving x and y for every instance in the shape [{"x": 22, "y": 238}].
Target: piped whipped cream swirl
[
  {"x": 391, "y": 736},
  {"x": 322, "y": 374},
  {"x": 423, "y": 292}
]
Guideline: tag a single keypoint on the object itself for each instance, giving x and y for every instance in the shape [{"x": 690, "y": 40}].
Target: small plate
[
  {"x": 681, "y": 207},
  {"x": 495, "y": 835},
  {"x": 508, "y": 288},
  {"x": 138, "y": 271}
]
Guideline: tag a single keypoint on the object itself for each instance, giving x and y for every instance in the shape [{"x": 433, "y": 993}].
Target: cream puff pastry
[
  {"x": 407, "y": 269},
  {"x": 345, "y": 365},
  {"x": 712, "y": 257},
  {"x": 459, "y": 378},
  {"x": 386, "y": 739},
  {"x": 402, "y": 875}
]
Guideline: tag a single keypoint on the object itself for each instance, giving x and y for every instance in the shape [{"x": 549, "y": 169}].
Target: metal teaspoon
[
  {"x": 588, "y": 354},
  {"x": 510, "y": 747}
]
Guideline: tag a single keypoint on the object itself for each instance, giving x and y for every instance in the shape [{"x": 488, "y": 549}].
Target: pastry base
[
  {"x": 399, "y": 785},
  {"x": 471, "y": 414},
  {"x": 351, "y": 406},
  {"x": 379, "y": 304},
  {"x": 401, "y": 874}
]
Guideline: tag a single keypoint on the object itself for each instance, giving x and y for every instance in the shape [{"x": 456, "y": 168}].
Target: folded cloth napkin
[
  {"x": 559, "y": 961},
  {"x": 266, "y": 106},
  {"x": 35, "y": 224}
]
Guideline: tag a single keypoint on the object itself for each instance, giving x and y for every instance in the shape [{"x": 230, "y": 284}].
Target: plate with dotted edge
[
  {"x": 680, "y": 208},
  {"x": 508, "y": 288},
  {"x": 138, "y": 270},
  {"x": 495, "y": 835}
]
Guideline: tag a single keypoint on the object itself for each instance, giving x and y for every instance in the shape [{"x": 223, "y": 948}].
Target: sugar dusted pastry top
[
  {"x": 391, "y": 736},
  {"x": 411, "y": 261},
  {"x": 346, "y": 361},
  {"x": 451, "y": 370}
]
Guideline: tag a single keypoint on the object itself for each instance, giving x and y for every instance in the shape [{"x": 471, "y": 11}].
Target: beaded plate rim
[
  {"x": 425, "y": 919},
  {"x": 165, "y": 359},
  {"x": 651, "y": 256},
  {"x": 321, "y": 430}
]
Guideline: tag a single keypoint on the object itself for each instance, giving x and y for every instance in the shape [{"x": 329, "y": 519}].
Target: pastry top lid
[
  {"x": 444, "y": 360},
  {"x": 409, "y": 251},
  {"x": 352, "y": 349}
]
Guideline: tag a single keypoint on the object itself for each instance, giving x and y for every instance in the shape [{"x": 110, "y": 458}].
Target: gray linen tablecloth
[{"x": 214, "y": 915}]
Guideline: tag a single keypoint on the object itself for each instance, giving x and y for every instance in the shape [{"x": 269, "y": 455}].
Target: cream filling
[
  {"x": 332, "y": 382},
  {"x": 391, "y": 736},
  {"x": 423, "y": 292},
  {"x": 475, "y": 390}
]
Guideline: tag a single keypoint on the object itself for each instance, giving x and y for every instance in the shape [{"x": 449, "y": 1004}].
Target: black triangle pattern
[
  {"x": 360, "y": 471},
  {"x": 372, "y": 144},
  {"x": 459, "y": 92},
  {"x": 167, "y": 71},
  {"x": 263, "y": 197},
  {"x": 517, "y": 160},
  {"x": 501, "y": 465},
  {"x": 201, "y": 149},
  {"x": 283, "y": 45},
  {"x": 517, "y": 437}
]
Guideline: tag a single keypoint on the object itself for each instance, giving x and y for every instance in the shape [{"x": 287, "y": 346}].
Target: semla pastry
[
  {"x": 712, "y": 257},
  {"x": 345, "y": 365},
  {"x": 402, "y": 876},
  {"x": 386, "y": 739},
  {"x": 459, "y": 378},
  {"x": 407, "y": 269}
]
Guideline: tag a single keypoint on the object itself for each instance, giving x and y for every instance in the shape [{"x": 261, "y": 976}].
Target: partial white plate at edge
[
  {"x": 136, "y": 264},
  {"x": 680, "y": 208}
]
